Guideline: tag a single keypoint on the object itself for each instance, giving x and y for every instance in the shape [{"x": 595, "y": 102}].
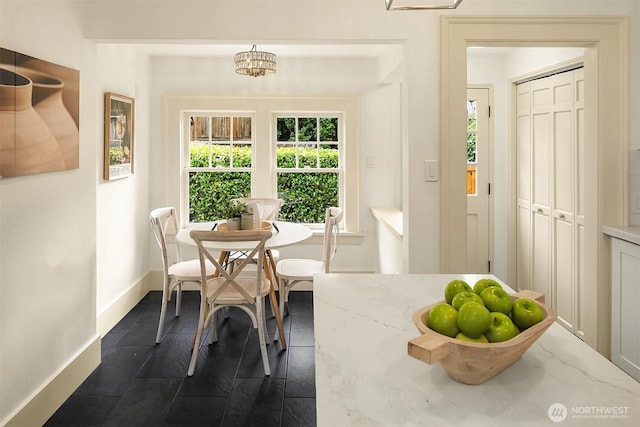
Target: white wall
[
  {"x": 48, "y": 222},
  {"x": 122, "y": 226},
  {"x": 51, "y": 230},
  {"x": 380, "y": 163}
]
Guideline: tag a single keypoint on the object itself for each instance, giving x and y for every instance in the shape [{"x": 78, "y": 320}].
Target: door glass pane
[
  {"x": 471, "y": 180},
  {"x": 472, "y": 140}
]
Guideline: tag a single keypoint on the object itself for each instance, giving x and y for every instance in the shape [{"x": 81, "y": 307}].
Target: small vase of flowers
[{"x": 233, "y": 214}]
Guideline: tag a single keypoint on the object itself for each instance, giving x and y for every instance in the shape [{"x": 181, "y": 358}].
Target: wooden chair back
[{"x": 258, "y": 237}]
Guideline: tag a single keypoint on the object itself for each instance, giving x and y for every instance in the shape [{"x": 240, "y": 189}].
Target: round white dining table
[{"x": 283, "y": 234}]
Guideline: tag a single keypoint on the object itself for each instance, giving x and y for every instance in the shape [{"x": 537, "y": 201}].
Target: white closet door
[
  {"x": 541, "y": 125},
  {"x": 523, "y": 186},
  {"x": 550, "y": 210},
  {"x": 562, "y": 137},
  {"x": 579, "y": 295}
]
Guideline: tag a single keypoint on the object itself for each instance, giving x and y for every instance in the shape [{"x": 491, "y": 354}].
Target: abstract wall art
[{"x": 39, "y": 116}]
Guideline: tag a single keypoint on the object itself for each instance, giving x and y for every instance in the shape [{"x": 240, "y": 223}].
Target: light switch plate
[
  {"x": 431, "y": 172},
  {"x": 371, "y": 162}
]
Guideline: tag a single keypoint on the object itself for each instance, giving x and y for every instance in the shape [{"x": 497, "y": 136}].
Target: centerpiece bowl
[
  {"x": 264, "y": 225},
  {"x": 475, "y": 363}
]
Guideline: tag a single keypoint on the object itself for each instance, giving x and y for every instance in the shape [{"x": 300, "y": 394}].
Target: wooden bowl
[
  {"x": 475, "y": 363},
  {"x": 264, "y": 225}
]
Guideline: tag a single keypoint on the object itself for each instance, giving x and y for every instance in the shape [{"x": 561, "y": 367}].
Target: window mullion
[{"x": 317, "y": 142}]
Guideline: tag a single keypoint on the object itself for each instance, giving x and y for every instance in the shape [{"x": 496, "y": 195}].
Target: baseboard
[
  {"x": 114, "y": 312},
  {"x": 53, "y": 393}
]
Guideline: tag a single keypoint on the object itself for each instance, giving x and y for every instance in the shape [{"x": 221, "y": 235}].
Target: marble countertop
[
  {"x": 364, "y": 376},
  {"x": 630, "y": 233}
]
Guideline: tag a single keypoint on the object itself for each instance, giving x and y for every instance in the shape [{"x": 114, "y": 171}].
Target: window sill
[
  {"x": 390, "y": 217},
  {"x": 344, "y": 238}
]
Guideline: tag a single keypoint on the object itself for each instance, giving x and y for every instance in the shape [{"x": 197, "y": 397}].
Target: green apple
[
  {"x": 465, "y": 296},
  {"x": 455, "y": 287},
  {"x": 501, "y": 328},
  {"x": 483, "y": 284},
  {"x": 481, "y": 338},
  {"x": 473, "y": 319},
  {"x": 526, "y": 313},
  {"x": 442, "y": 318},
  {"x": 497, "y": 299}
]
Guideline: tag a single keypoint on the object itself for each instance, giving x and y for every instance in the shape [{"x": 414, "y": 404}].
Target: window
[
  {"x": 307, "y": 166},
  {"x": 220, "y": 163},
  {"x": 301, "y": 149}
]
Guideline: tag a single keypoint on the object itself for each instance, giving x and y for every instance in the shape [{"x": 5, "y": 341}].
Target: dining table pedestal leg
[{"x": 270, "y": 272}]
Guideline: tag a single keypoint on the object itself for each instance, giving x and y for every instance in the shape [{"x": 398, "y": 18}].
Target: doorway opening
[
  {"x": 478, "y": 180},
  {"x": 606, "y": 137}
]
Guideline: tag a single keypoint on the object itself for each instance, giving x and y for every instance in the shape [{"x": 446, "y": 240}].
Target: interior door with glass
[{"x": 479, "y": 229}]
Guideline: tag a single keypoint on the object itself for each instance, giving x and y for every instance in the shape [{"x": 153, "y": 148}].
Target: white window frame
[
  {"x": 340, "y": 170},
  {"x": 264, "y": 109},
  {"x": 186, "y": 141}
]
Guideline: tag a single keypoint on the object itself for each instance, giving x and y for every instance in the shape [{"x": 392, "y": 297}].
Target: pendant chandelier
[
  {"x": 421, "y": 4},
  {"x": 255, "y": 62}
]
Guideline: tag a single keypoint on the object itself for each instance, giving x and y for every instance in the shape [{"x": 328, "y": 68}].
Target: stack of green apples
[{"x": 483, "y": 314}]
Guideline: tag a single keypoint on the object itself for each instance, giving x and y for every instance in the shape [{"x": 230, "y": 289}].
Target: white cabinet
[{"x": 625, "y": 306}]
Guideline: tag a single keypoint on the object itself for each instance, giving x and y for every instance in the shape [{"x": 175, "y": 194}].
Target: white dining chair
[
  {"x": 292, "y": 271},
  {"x": 175, "y": 271},
  {"x": 232, "y": 288},
  {"x": 268, "y": 210}
]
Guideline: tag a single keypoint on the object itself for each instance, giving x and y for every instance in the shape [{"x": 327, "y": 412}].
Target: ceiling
[
  {"x": 299, "y": 50},
  {"x": 281, "y": 50}
]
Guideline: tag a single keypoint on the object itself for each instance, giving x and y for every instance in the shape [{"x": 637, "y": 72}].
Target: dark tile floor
[{"x": 140, "y": 383}]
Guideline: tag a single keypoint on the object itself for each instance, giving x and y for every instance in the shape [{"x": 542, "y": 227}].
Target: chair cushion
[
  {"x": 298, "y": 269},
  {"x": 230, "y": 295},
  {"x": 190, "y": 268}
]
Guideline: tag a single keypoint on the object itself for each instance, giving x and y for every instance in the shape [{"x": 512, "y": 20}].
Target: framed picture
[
  {"x": 39, "y": 117},
  {"x": 118, "y": 136}
]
